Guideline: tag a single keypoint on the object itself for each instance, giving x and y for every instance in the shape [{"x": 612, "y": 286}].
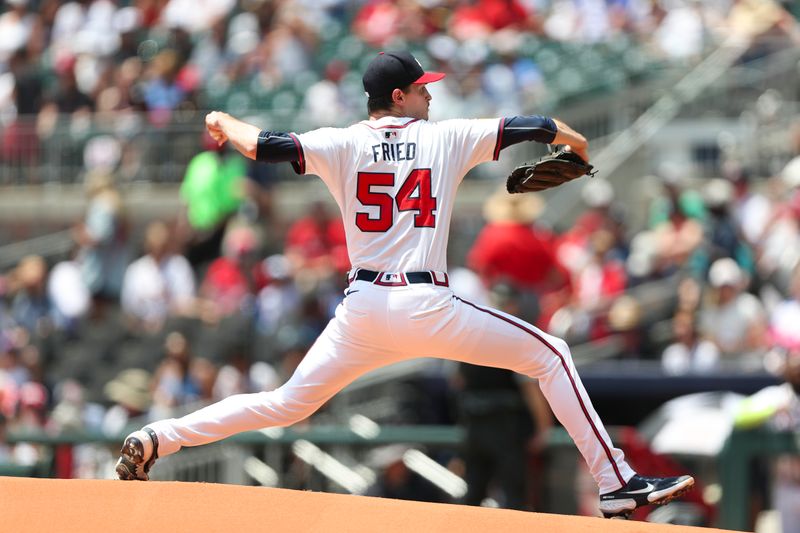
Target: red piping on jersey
[
  {"x": 499, "y": 144},
  {"x": 391, "y": 126},
  {"x": 300, "y": 156},
  {"x": 572, "y": 381}
]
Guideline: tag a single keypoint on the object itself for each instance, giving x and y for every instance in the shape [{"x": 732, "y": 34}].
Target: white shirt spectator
[
  {"x": 680, "y": 35},
  {"x": 783, "y": 323},
  {"x": 729, "y": 324},
  {"x": 195, "y": 15},
  {"x": 15, "y": 30},
  {"x": 150, "y": 290},
  {"x": 67, "y": 291},
  {"x": 679, "y": 358}
]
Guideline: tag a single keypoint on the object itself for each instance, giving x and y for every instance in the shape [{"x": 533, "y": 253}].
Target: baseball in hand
[{"x": 214, "y": 127}]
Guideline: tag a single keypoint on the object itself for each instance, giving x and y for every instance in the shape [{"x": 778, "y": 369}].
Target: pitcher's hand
[{"x": 214, "y": 127}]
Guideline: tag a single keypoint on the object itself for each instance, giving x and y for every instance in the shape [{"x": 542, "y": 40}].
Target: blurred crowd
[
  {"x": 226, "y": 298},
  {"x": 145, "y": 321},
  {"x": 154, "y": 63},
  {"x": 718, "y": 257}
]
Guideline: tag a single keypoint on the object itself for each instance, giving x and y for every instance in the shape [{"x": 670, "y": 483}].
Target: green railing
[{"x": 322, "y": 434}]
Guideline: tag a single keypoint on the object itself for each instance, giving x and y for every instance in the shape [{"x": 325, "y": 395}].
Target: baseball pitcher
[{"x": 394, "y": 177}]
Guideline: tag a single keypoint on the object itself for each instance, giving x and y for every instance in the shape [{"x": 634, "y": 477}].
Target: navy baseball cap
[{"x": 395, "y": 70}]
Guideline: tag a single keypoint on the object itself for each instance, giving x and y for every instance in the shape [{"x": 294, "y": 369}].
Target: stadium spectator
[
  {"x": 288, "y": 46},
  {"x": 28, "y": 83},
  {"x": 68, "y": 97},
  {"x": 102, "y": 237},
  {"x": 173, "y": 383},
  {"x": 279, "y": 301},
  {"x": 15, "y": 454},
  {"x": 723, "y": 237},
  {"x": 68, "y": 295},
  {"x": 626, "y": 321},
  {"x": 677, "y": 241},
  {"x": 598, "y": 280},
  {"x": 17, "y": 26},
  {"x": 395, "y": 480},
  {"x": 778, "y": 251},
  {"x": 751, "y": 207},
  {"x": 212, "y": 192},
  {"x": 680, "y": 34},
  {"x": 734, "y": 320},
  {"x": 131, "y": 395},
  {"x": 6, "y": 453},
  {"x": 31, "y": 307},
  {"x": 598, "y": 198},
  {"x": 163, "y": 92},
  {"x": 690, "y": 353},
  {"x": 380, "y": 21},
  {"x": 511, "y": 247},
  {"x": 193, "y": 15},
  {"x": 30, "y": 416},
  {"x": 506, "y": 417},
  {"x": 675, "y": 196},
  {"x": 784, "y": 317},
  {"x": 159, "y": 284},
  {"x": 316, "y": 242},
  {"x": 480, "y": 19},
  {"x": 230, "y": 284}
]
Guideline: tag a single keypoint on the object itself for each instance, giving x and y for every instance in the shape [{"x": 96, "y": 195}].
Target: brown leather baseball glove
[{"x": 547, "y": 172}]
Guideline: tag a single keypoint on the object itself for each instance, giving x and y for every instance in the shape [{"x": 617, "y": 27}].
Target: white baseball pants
[{"x": 376, "y": 326}]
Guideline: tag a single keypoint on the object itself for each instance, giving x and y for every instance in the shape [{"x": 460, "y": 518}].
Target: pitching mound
[{"x": 94, "y": 506}]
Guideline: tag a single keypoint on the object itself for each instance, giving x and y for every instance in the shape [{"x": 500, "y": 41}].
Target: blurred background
[{"x": 145, "y": 272}]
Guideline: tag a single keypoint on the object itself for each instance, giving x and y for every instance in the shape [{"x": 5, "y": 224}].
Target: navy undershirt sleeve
[
  {"x": 527, "y": 128},
  {"x": 279, "y": 147}
]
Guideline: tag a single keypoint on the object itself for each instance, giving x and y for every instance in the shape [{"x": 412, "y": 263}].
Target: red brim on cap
[{"x": 430, "y": 77}]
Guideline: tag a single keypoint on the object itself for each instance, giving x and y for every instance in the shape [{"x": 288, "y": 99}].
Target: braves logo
[{"x": 391, "y": 279}]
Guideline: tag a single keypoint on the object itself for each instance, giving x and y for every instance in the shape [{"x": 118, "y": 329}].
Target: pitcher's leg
[
  {"x": 329, "y": 366},
  {"x": 489, "y": 337}
]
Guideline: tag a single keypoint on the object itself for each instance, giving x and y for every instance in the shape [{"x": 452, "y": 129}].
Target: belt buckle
[
  {"x": 391, "y": 279},
  {"x": 444, "y": 281}
]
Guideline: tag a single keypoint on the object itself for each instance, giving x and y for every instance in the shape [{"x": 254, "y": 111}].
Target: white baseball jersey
[{"x": 395, "y": 181}]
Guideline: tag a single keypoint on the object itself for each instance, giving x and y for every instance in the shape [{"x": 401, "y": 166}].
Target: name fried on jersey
[{"x": 394, "y": 151}]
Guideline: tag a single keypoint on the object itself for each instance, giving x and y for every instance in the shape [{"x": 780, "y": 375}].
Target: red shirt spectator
[
  {"x": 318, "y": 241},
  {"x": 230, "y": 279},
  {"x": 484, "y": 17},
  {"x": 378, "y": 22},
  {"x": 511, "y": 248}
]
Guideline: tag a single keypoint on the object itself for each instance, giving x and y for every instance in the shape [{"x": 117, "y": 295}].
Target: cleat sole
[{"x": 625, "y": 515}]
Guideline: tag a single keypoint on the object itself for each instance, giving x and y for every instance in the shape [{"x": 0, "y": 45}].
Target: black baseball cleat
[
  {"x": 641, "y": 491},
  {"x": 138, "y": 453}
]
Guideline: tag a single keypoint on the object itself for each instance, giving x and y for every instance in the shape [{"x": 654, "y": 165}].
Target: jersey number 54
[{"x": 424, "y": 203}]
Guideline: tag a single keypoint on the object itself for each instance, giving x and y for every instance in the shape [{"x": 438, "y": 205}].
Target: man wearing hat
[
  {"x": 734, "y": 320},
  {"x": 394, "y": 177},
  {"x": 512, "y": 248}
]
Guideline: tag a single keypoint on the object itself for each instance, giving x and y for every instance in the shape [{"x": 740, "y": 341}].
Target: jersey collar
[{"x": 389, "y": 122}]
